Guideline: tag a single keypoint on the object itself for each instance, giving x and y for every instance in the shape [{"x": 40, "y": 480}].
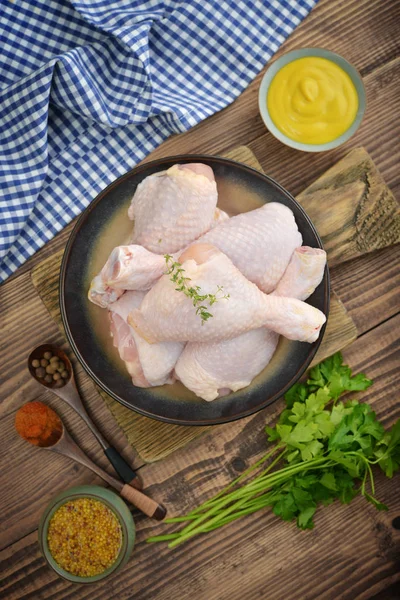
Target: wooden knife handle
[{"x": 147, "y": 505}]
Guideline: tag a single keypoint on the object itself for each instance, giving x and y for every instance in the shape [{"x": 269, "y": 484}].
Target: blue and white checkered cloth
[{"x": 88, "y": 88}]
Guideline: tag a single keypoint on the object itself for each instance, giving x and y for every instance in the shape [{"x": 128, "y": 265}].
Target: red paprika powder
[{"x": 38, "y": 424}]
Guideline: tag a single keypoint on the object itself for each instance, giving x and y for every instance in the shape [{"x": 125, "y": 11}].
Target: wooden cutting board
[{"x": 354, "y": 212}]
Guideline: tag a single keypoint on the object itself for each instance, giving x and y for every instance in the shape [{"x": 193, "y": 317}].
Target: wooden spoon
[
  {"x": 60, "y": 441},
  {"x": 69, "y": 393}
]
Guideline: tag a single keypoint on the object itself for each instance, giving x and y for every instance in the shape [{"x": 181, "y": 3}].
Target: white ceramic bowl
[{"x": 290, "y": 57}]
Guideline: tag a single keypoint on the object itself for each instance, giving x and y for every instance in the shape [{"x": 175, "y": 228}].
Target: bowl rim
[
  {"x": 291, "y": 56},
  {"x": 63, "y": 269},
  {"x": 111, "y": 500}
]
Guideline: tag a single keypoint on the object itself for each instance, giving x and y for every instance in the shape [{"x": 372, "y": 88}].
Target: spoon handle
[
  {"x": 68, "y": 447},
  {"x": 71, "y": 396},
  {"x": 125, "y": 472}
]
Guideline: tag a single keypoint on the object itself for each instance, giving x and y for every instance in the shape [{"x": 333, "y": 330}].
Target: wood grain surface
[
  {"x": 354, "y": 552},
  {"x": 154, "y": 440}
]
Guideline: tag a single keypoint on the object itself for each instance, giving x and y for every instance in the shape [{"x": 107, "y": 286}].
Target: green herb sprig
[
  {"x": 177, "y": 273},
  {"x": 325, "y": 448}
]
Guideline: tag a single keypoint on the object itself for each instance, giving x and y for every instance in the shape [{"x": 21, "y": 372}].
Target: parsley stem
[
  {"x": 187, "y": 517},
  {"x": 279, "y": 478},
  {"x": 367, "y": 470},
  {"x": 363, "y": 483},
  {"x": 378, "y": 460},
  {"x": 163, "y": 538},
  {"x": 287, "y": 471},
  {"x": 276, "y": 460},
  {"x": 225, "y": 500},
  {"x": 245, "y": 473},
  {"x": 192, "y": 530},
  {"x": 371, "y": 478},
  {"x": 254, "y": 507},
  {"x": 250, "y": 498},
  {"x": 202, "y": 517},
  {"x": 266, "y": 480}
]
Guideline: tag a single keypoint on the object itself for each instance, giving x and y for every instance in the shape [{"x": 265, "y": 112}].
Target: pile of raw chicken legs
[{"x": 253, "y": 264}]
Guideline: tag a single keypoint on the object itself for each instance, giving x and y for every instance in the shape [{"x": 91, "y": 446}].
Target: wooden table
[{"x": 354, "y": 551}]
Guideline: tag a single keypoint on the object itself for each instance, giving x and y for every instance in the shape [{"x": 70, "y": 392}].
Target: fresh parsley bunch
[{"x": 325, "y": 449}]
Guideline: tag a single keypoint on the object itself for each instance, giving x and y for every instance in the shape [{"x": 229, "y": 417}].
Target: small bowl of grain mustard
[
  {"x": 86, "y": 533},
  {"x": 312, "y": 99}
]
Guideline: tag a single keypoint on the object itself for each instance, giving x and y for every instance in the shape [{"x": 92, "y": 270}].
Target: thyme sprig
[{"x": 199, "y": 300}]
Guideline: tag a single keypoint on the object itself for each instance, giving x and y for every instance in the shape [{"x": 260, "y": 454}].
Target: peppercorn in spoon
[
  {"x": 51, "y": 367},
  {"x": 41, "y": 426}
]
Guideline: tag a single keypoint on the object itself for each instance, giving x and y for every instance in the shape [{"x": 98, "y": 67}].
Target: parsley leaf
[
  {"x": 285, "y": 507},
  {"x": 336, "y": 376},
  {"x": 297, "y": 393},
  {"x": 305, "y": 518},
  {"x": 328, "y": 480},
  {"x": 358, "y": 429},
  {"x": 388, "y": 451}
]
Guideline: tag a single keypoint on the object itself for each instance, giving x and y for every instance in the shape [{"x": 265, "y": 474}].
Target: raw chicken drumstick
[
  {"x": 211, "y": 370},
  {"x": 173, "y": 208},
  {"x": 259, "y": 242},
  {"x": 101, "y": 294},
  {"x": 133, "y": 268},
  {"x": 169, "y": 315},
  {"x": 148, "y": 364},
  {"x": 127, "y": 268}
]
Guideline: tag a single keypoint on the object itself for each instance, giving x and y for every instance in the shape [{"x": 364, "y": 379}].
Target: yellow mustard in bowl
[{"x": 312, "y": 100}]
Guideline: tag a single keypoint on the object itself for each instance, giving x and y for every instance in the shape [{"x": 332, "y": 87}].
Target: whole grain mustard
[{"x": 84, "y": 537}]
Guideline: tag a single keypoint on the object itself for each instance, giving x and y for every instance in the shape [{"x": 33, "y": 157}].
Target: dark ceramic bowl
[{"x": 105, "y": 224}]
